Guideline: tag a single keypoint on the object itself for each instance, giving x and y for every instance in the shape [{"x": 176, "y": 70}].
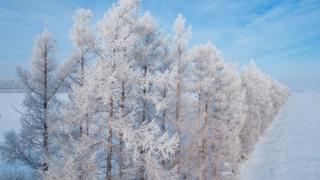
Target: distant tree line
[{"x": 11, "y": 85}]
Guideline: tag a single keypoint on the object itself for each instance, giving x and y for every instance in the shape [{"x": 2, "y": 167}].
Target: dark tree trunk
[
  {"x": 121, "y": 142},
  {"x": 109, "y": 142},
  {"x": 45, "y": 113}
]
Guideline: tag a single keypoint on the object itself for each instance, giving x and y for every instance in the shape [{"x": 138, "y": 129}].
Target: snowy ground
[
  {"x": 290, "y": 149},
  {"x": 10, "y": 119},
  {"x": 9, "y": 116}
]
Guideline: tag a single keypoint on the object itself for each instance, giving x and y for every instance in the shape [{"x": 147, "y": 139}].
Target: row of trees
[
  {"x": 10, "y": 85},
  {"x": 140, "y": 104}
]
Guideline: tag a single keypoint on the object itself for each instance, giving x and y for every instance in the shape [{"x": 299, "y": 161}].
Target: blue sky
[{"x": 283, "y": 37}]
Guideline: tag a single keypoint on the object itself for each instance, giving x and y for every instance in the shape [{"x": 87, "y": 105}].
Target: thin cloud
[{"x": 278, "y": 35}]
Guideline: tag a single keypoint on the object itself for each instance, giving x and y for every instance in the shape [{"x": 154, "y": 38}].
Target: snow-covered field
[
  {"x": 10, "y": 118},
  {"x": 290, "y": 148}
]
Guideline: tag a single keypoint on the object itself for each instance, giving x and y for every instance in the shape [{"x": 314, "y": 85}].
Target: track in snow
[{"x": 290, "y": 148}]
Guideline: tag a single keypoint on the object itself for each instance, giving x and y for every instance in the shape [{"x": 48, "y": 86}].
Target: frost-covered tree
[
  {"x": 33, "y": 144},
  {"x": 76, "y": 163},
  {"x": 259, "y": 99},
  {"x": 151, "y": 57},
  {"x": 279, "y": 94},
  {"x": 229, "y": 112},
  {"x": 219, "y": 114},
  {"x": 146, "y": 137},
  {"x": 117, "y": 32},
  {"x": 147, "y": 52},
  {"x": 124, "y": 29},
  {"x": 206, "y": 65},
  {"x": 81, "y": 148},
  {"x": 164, "y": 66},
  {"x": 182, "y": 34},
  {"x": 181, "y": 38},
  {"x": 83, "y": 41},
  {"x": 112, "y": 91},
  {"x": 251, "y": 82}
]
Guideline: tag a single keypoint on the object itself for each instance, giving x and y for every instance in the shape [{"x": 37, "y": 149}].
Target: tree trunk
[
  {"x": 178, "y": 99},
  {"x": 87, "y": 124},
  {"x": 144, "y": 118},
  {"x": 206, "y": 114},
  {"x": 163, "y": 122},
  {"x": 121, "y": 165},
  {"x": 144, "y": 110},
  {"x": 121, "y": 143},
  {"x": 81, "y": 84},
  {"x": 205, "y": 150},
  {"x": 109, "y": 142},
  {"x": 178, "y": 106},
  {"x": 45, "y": 113}
]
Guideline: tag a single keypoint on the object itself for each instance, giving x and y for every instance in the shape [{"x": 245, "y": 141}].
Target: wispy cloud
[{"x": 282, "y": 36}]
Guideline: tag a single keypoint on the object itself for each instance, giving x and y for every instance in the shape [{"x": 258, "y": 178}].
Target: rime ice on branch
[{"x": 141, "y": 104}]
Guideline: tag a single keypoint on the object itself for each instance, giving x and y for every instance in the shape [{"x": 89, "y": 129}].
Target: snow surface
[
  {"x": 290, "y": 148},
  {"x": 10, "y": 118}
]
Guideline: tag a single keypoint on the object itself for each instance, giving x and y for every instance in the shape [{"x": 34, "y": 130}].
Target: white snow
[
  {"x": 290, "y": 148},
  {"x": 10, "y": 118}
]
